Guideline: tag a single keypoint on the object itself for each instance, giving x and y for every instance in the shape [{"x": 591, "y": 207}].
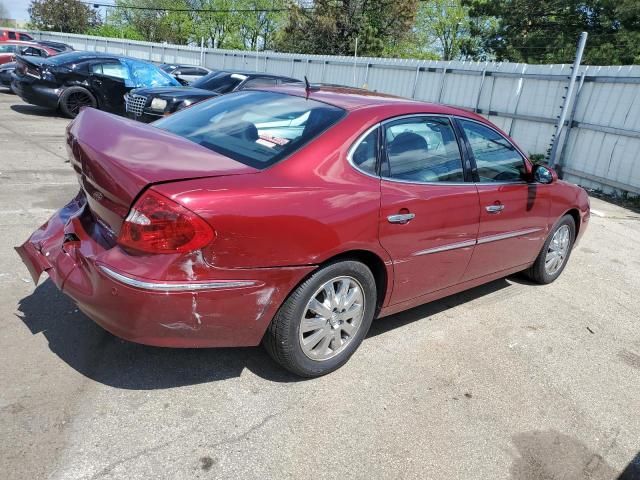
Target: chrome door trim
[
  {"x": 479, "y": 241},
  {"x": 506, "y": 235},
  {"x": 445, "y": 248},
  {"x": 175, "y": 286}
]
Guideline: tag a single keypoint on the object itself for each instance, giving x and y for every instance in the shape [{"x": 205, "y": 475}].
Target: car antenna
[{"x": 307, "y": 86}]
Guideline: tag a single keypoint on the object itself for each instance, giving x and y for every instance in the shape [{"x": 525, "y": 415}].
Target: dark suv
[{"x": 70, "y": 81}]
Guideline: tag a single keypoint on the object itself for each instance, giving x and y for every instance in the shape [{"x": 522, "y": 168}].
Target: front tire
[
  {"x": 324, "y": 320},
  {"x": 73, "y": 99},
  {"x": 555, "y": 252}
]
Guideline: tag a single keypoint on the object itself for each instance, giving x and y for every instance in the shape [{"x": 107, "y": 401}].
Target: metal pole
[
  {"x": 355, "y": 60},
  {"x": 563, "y": 149},
  {"x": 201, "y": 51},
  {"x": 567, "y": 100}
]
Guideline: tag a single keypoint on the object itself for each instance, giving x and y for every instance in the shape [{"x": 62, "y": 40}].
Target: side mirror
[{"x": 544, "y": 174}]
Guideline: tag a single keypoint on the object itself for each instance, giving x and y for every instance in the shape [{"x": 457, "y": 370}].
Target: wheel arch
[
  {"x": 575, "y": 214},
  {"x": 374, "y": 262}
]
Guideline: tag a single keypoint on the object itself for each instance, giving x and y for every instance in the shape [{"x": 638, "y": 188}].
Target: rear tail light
[{"x": 157, "y": 224}]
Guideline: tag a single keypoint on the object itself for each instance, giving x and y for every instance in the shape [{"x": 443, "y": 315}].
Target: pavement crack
[
  {"x": 249, "y": 431},
  {"x": 109, "y": 468}
]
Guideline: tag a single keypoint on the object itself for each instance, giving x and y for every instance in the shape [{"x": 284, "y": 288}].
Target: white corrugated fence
[{"x": 600, "y": 144}]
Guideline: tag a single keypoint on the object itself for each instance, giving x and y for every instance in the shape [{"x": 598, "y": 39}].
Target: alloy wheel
[
  {"x": 78, "y": 100},
  {"x": 558, "y": 250},
  {"x": 331, "y": 318}
]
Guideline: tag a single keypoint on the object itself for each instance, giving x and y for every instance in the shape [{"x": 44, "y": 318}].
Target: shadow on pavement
[
  {"x": 383, "y": 325},
  {"x": 35, "y": 110},
  {"x": 95, "y": 353}
]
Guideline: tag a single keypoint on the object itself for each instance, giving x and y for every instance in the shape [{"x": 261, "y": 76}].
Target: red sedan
[
  {"x": 293, "y": 217},
  {"x": 9, "y": 50}
]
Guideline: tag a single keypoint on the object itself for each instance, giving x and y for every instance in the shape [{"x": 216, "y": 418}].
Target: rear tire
[
  {"x": 73, "y": 99},
  {"x": 316, "y": 331},
  {"x": 555, "y": 252}
]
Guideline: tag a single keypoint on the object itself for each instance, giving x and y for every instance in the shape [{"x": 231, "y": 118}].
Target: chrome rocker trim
[{"x": 175, "y": 286}]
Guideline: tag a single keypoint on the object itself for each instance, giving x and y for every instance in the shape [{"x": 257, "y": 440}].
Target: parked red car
[
  {"x": 8, "y": 34},
  {"x": 9, "y": 50},
  {"x": 293, "y": 217}
]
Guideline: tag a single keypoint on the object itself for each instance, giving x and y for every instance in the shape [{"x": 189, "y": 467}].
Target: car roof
[
  {"x": 80, "y": 55},
  {"x": 350, "y": 98},
  {"x": 27, "y": 43},
  {"x": 249, "y": 73}
]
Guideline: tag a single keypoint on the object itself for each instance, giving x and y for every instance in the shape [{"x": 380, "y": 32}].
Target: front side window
[
  {"x": 422, "y": 149},
  {"x": 7, "y": 48},
  {"x": 497, "y": 160},
  {"x": 142, "y": 74},
  {"x": 253, "y": 127}
]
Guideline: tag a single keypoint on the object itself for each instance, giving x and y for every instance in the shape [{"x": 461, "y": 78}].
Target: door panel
[
  {"x": 429, "y": 215},
  {"x": 433, "y": 249},
  {"x": 513, "y": 212},
  {"x": 514, "y": 234}
]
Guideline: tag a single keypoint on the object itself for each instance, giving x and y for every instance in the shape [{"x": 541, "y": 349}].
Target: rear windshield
[
  {"x": 252, "y": 127},
  {"x": 219, "y": 82}
]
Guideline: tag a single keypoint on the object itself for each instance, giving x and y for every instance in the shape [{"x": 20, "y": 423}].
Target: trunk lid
[
  {"x": 116, "y": 158},
  {"x": 30, "y": 66}
]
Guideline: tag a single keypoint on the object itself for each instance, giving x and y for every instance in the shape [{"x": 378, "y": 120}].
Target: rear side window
[
  {"x": 365, "y": 154},
  {"x": 8, "y": 48},
  {"x": 113, "y": 69},
  {"x": 12, "y": 35},
  {"x": 422, "y": 149},
  {"x": 252, "y": 127},
  {"x": 260, "y": 82},
  {"x": 219, "y": 82}
]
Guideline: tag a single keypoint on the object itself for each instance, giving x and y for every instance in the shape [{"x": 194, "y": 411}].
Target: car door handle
[
  {"x": 401, "y": 218},
  {"x": 494, "y": 208}
]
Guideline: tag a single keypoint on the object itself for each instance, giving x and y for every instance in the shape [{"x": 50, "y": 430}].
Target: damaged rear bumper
[{"x": 224, "y": 308}]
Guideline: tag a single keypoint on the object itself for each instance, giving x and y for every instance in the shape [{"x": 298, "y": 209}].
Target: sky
[{"x": 17, "y": 8}]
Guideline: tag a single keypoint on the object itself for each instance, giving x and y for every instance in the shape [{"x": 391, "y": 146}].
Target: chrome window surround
[
  {"x": 451, "y": 118},
  {"x": 479, "y": 241},
  {"x": 175, "y": 286}
]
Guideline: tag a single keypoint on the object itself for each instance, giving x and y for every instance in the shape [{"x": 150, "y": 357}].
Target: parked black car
[
  {"x": 149, "y": 104},
  {"x": 185, "y": 74},
  {"x": 6, "y": 71},
  {"x": 70, "y": 81},
  {"x": 57, "y": 46}
]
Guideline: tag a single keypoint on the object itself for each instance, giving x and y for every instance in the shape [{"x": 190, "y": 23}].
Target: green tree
[
  {"x": 152, "y": 23},
  {"x": 331, "y": 27},
  {"x": 443, "y": 27},
  {"x": 546, "y": 31},
  {"x": 70, "y": 16},
  {"x": 257, "y": 29}
]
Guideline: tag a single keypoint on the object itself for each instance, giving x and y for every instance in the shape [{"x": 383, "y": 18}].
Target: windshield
[
  {"x": 219, "y": 82},
  {"x": 144, "y": 74},
  {"x": 252, "y": 127}
]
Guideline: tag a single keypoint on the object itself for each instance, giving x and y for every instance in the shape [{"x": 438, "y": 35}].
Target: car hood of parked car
[{"x": 177, "y": 93}]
